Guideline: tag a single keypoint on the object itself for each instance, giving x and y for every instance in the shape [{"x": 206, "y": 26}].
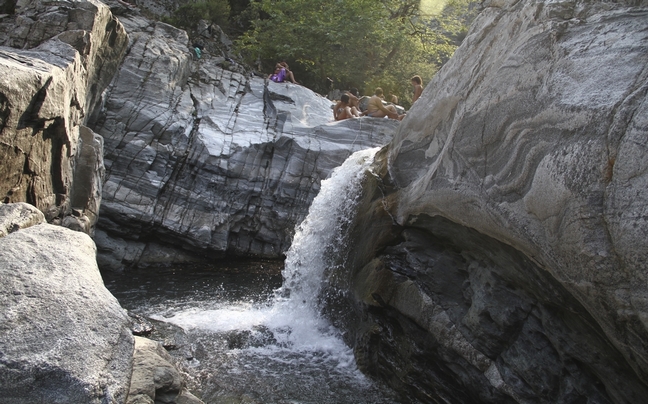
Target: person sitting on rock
[
  {"x": 281, "y": 72},
  {"x": 344, "y": 110},
  {"x": 376, "y": 109}
]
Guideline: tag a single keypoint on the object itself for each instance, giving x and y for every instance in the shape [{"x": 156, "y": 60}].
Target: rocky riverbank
[{"x": 63, "y": 337}]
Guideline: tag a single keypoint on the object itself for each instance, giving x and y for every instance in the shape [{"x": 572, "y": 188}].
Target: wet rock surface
[
  {"x": 502, "y": 255},
  {"x": 155, "y": 378},
  {"x": 451, "y": 307}
]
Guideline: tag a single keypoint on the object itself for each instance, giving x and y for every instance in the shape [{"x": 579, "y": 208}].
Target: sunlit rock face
[
  {"x": 205, "y": 161},
  {"x": 55, "y": 61},
  {"x": 63, "y": 337},
  {"x": 511, "y": 262}
]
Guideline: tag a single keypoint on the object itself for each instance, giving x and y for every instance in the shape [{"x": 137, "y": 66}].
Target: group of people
[{"x": 348, "y": 106}]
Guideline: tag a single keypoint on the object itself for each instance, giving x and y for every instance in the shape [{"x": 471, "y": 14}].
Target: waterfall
[
  {"x": 293, "y": 315},
  {"x": 320, "y": 237},
  {"x": 275, "y": 345}
]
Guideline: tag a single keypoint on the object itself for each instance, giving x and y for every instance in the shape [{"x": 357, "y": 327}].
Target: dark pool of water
[
  {"x": 247, "y": 364},
  {"x": 227, "y": 280}
]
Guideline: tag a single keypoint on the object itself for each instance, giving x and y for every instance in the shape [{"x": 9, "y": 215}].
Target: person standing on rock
[{"x": 417, "y": 83}]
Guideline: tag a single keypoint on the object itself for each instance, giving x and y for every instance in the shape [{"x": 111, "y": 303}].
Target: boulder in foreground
[{"x": 63, "y": 337}]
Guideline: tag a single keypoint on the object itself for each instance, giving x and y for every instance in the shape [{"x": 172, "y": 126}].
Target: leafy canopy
[
  {"x": 352, "y": 43},
  {"x": 341, "y": 43}
]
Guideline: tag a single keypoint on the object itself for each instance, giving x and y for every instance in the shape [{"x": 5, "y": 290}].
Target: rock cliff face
[
  {"x": 204, "y": 160},
  {"x": 511, "y": 262},
  {"x": 55, "y": 61},
  {"x": 63, "y": 337}
]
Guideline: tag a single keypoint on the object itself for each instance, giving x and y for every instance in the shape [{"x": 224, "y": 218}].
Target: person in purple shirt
[{"x": 281, "y": 73}]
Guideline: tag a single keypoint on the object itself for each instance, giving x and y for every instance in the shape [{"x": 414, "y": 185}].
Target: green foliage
[
  {"x": 353, "y": 43},
  {"x": 188, "y": 15},
  {"x": 455, "y": 19}
]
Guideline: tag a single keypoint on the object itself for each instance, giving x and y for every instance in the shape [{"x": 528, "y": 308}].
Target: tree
[
  {"x": 351, "y": 43},
  {"x": 318, "y": 39}
]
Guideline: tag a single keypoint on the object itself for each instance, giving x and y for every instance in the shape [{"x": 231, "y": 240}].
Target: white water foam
[{"x": 293, "y": 316}]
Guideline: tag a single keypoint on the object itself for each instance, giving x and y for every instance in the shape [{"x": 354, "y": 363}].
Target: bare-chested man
[{"x": 376, "y": 109}]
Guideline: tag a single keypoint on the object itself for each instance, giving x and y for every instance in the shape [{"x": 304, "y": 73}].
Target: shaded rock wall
[
  {"x": 202, "y": 161},
  {"x": 508, "y": 260},
  {"x": 55, "y": 61}
]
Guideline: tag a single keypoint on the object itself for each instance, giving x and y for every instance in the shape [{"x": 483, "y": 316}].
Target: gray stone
[
  {"x": 85, "y": 196},
  {"x": 128, "y": 251},
  {"x": 188, "y": 398},
  {"x": 516, "y": 269},
  {"x": 63, "y": 337},
  {"x": 16, "y": 216}
]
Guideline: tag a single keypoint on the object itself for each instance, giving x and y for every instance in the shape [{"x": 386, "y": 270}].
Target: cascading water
[
  {"x": 277, "y": 347},
  {"x": 318, "y": 241}
]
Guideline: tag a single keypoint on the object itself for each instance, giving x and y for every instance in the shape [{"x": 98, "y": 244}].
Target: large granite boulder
[
  {"x": 55, "y": 61},
  {"x": 202, "y": 160},
  {"x": 509, "y": 260},
  {"x": 63, "y": 337}
]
